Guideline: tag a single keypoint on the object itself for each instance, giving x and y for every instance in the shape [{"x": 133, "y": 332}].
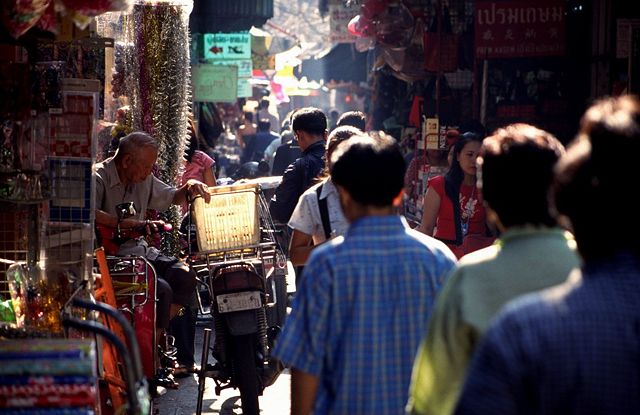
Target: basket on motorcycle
[{"x": 230, "y": 220}]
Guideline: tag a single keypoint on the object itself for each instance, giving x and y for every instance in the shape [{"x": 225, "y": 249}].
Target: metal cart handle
[
  {"x": 129, "y": 333},
  {"x": 136, "y": 388}
]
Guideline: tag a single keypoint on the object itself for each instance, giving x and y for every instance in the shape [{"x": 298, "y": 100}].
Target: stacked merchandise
[{"x": 48, "y": 377}]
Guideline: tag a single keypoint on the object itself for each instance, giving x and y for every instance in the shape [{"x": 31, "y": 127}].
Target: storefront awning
[
  {"x": 214, "y": 16},
  {"x": 343, "y": 63}
]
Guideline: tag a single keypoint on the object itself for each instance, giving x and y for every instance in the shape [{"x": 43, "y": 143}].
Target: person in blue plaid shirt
[
  {"x": 363, "y": 301},
  {"x": 575, "y": 348}
]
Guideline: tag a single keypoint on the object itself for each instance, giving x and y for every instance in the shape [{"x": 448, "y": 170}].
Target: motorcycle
[
  {"x": 247, "y": 288},
  {"x": 243, "y": 336}
]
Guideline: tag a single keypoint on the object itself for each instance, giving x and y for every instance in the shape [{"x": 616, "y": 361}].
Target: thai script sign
[
  {"x": 227, "y": 45},
  {"x": 519, "y": 29}
]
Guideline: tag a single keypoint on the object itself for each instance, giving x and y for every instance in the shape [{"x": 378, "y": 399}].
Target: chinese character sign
[{"x": 519, "y": 29}]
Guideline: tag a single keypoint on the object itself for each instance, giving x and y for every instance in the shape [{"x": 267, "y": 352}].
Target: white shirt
[{"x": 306, "y": 216}]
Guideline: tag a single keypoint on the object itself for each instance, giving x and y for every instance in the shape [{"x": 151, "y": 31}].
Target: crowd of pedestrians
[{"x": 517, "y": 294}]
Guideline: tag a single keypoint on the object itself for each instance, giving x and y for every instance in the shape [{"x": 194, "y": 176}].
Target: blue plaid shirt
[
  {"x": 360, "y": 312},
  {"x": 572, "y": 349}
]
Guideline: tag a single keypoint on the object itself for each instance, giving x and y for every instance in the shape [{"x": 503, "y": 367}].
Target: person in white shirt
[{"x": 309, "y": 229}]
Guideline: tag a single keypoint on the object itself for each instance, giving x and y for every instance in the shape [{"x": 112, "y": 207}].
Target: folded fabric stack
[{"x": 47, "y": 377}]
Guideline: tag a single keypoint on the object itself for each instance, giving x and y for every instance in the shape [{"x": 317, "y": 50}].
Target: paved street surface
[{"x": 183, "y": 401}]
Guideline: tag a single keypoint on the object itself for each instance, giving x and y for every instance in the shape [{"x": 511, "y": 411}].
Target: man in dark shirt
[
  {"x": 286, "y": 153},
  {"x": 254, "y": 150},
  {"x": 575, "y": 348},
  {"x": 310, "y": 128}
]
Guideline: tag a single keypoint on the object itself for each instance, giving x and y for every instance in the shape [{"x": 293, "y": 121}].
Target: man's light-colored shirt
[
  {"x": 523, "y": 260},
  {"x": 360, "y": 312},
  {"x": 151, "y": 193},
  {"x": 306, "y": 216}
]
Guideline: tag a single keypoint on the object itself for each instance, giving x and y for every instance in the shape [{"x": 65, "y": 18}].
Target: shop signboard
[
  {"x": 430, "y": 129},
  {"x": 263, "y": 61},
  {"x": 519, "y": 29},
  {"x": 260, "y": 56},
  {"x": 221, "y": 46},
  {"x": 245, "y": 67},
  {"x": 339, "y": 17},
  {"x": 245, "y": 70},
  {"x": 245, "y": 89},
  {"x": 214, "y": 83}
]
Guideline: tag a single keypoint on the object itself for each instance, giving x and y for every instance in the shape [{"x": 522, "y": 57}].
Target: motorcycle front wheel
[{"x": 244, "y": 362}]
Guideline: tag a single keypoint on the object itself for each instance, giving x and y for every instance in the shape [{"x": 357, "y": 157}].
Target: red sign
[{"x": 519, "y": 29}]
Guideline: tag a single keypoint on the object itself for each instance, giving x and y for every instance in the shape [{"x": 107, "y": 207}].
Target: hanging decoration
[
  {"x": 162, "y": 39},
  {"x": 395, "y": 26},
  {"x": 155, "y": 78},
  {"x": 18, "y": 16}
]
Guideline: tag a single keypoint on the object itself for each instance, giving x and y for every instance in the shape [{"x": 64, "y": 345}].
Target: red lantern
[
  {"x": 395, "y": 27},
  {"x": 370, "y": 9},
  {"x": 360, "y": 26}
]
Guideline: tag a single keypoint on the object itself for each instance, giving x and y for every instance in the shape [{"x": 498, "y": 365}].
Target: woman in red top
[{"x": 462, "y": 228}]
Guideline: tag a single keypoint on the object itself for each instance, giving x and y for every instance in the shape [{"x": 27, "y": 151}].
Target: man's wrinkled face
[{"x": 139, "y": 165}]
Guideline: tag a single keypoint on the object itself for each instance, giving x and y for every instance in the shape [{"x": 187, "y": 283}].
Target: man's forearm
[
  {"x": 106, "y": 219},
  {"x": 304, "y": 388}
]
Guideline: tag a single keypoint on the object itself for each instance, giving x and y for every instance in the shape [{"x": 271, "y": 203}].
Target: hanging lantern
[{"x": 395, "y": 26}]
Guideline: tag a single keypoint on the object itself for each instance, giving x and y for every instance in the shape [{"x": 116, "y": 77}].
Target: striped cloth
[
  {"x": 572, "y": 349},
  {"x": 360, "y": 312}
]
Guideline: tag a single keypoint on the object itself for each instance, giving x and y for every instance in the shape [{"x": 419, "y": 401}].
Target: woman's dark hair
[
  {"x": 193, "y": 144},
  {"x": 370, "y": 169},
  {"x": 336, "y": 136},
  {"x": 454, "y": 177},
  {"x": 353, "y": 118},
  {"x": 516, "y": 170},
  {"x": 594, "y": 176}
]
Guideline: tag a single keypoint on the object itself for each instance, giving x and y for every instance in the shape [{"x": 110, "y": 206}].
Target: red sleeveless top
[{"x": 472, "y": 212}]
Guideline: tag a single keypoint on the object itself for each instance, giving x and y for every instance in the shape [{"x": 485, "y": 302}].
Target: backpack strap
[{"x": 324, "y": 213}]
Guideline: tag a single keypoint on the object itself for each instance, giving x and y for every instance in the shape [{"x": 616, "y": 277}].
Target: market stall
[{"x": 58, "y": 112}]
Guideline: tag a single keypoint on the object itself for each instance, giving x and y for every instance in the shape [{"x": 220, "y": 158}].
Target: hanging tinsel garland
[{"x": 159, "y": 91}]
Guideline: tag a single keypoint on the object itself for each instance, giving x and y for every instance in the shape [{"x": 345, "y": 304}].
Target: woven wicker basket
[{"x": 230, "y": 220}]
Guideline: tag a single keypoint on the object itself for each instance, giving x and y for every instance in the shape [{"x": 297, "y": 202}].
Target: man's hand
[
  {"x": 154, "y": 226},
  {"x": 196, "y": 188},
  {"x": 304, "y": 388}
]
